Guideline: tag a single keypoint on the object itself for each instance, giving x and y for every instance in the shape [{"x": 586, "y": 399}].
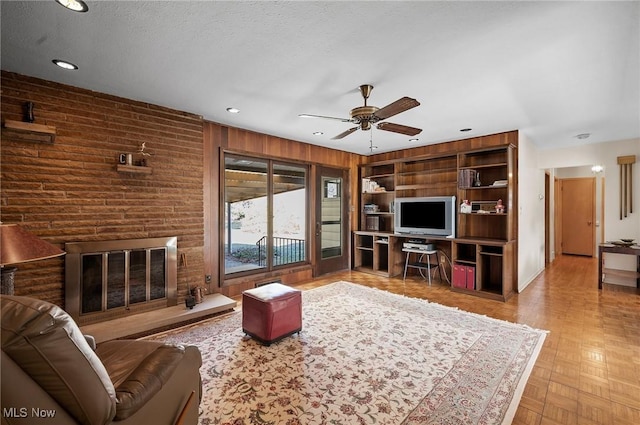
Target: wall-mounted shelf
[
  {"x": 30, "y": 131},
  {"x": 134, "y": 169}
]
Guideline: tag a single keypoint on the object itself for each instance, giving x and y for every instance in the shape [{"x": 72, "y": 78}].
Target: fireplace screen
[{"x": 115, "y": 278}]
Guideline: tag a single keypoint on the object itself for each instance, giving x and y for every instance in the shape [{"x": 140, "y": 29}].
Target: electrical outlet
[{"x": 207, "y": 278}]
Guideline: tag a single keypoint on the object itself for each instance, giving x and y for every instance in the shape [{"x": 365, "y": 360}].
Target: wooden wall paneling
[
  {"x": 287, "y": 149},
  {"x": 212, "y": 134},
  {"x": 500, "y": 139}
]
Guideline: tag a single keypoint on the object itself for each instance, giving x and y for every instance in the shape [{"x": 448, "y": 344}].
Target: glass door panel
[
  {"x": 331, "y": 218},
  {"x": 137, "y": 276},
  {"x": 289, "y": 214},
  {"x": 246, "y": 214},
  {"x": 116, "y": 280},
  {"x": 332, "y": 224}
]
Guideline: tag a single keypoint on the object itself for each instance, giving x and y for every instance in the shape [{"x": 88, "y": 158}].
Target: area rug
[{"x": 364, "y": 356}]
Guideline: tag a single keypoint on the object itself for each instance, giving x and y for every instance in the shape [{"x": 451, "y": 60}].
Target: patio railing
[{"x": 285, "y": 250}]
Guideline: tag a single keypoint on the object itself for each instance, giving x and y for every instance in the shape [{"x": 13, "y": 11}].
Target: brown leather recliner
[{"x": 52, "y": 375}]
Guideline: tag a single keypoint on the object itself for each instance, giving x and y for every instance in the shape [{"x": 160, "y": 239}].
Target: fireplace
[{"x": 111, "y": 279}]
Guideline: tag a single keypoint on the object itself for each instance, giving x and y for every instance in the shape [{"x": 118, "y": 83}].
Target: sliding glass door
[{"x": 265, "y": 218}]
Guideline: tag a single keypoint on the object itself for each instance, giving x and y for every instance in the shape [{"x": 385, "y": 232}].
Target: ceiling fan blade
[
  {"x": 396, "y": 107},
  {"x": 398, "y": 128},
  {"x": 325, "y": 117},
  {"x": 345, "y": 133}
]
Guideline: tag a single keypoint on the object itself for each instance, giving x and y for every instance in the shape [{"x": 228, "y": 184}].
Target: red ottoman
[{"x": 271, "y": 312}]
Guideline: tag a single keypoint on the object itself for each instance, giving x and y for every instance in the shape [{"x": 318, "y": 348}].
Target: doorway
[
  {"x": 332, "y": 220},
  {"x": 577, "y": 211}
]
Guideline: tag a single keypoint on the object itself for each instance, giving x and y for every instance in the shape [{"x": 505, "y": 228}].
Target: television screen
[
  {"x": 424, "y": 215},
  {"x": 435, "y": 215}
]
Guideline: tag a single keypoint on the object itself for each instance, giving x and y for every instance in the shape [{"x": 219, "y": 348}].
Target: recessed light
[
  {"x": 65, "y": 64},
  {"x": 75, "y": 5},
  {"x": 233, "y": 110},
  {"x": 413, "y": 140},
  {"x": 318, "y": 133},
  {"x": 464, "y": 130},
  {"x": 583, "y": 136}
]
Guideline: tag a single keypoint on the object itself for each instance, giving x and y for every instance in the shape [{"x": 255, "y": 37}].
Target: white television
[{"x": 435, "y": 215}]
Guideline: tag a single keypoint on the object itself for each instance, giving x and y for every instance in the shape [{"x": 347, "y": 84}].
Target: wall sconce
[
  {"x": 18, "y": 246},
  {"x": 597, "y": 168}
]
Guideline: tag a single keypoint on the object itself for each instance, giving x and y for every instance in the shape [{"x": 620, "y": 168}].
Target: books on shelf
[
  {"x": 369, "y": 186},
  {"x": 466, "y": 178}
]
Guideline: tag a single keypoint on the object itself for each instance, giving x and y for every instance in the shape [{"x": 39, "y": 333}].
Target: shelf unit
[
  {"x": 491, "y": 262},
  {"x": 491, "y": 236},
  {"x": 616, "y": 276},
  {"x": 485, "y": 244},
  {"x": 492, "y": 165},
  {"x": 30, "y": 131},
  {"x": 382, "y": 176},
  {"x": 373, "y": 252},
  {"x": 433, "y": 176}
]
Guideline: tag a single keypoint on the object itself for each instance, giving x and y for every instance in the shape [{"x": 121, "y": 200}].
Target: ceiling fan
[{"x": 365, "y": 116}]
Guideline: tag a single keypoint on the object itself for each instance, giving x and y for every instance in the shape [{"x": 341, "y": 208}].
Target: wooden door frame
[
  {"x": 342, "y": 262},
  {"x": 557, "y": 218}
]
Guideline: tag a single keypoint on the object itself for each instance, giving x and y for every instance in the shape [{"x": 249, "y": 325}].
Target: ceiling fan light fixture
[
  {"x": 65, "y": 64},
  {"x": 75, "y": 5},
  {"x": 366, "y": 116},
  {"x": 318, "y": 133},
  {"x": 232, "y": 110},
  {"x": 414, "y": 140}
]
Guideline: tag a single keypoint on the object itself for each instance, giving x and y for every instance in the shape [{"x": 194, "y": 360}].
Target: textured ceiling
[{"x": 550, "y": 69}]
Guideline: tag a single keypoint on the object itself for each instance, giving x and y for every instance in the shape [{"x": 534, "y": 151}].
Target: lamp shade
[{"x": 19, "y": 246}]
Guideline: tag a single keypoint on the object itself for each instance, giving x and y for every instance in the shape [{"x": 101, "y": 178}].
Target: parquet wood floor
[{"x": 589, "y": 369}]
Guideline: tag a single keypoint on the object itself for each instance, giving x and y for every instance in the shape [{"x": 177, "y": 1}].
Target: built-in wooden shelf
[
  {"x": 488, "y": 245},
  {"x": 134, "y": 169},
  {"x": 27, "y": 131}
]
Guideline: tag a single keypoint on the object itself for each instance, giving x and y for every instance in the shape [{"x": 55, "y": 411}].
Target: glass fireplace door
[{"x": 118, "y": 279}]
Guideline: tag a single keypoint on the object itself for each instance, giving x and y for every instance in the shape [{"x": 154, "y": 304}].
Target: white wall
[
  {"x": 606, "y": 154},
  {"x": 530, "y": 213}
]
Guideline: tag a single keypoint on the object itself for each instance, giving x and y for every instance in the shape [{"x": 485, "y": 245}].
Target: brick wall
[{"x": 70, "y": 190}]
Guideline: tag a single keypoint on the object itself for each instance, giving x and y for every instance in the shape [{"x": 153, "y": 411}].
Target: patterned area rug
[{"x": 365, "y": 356}]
